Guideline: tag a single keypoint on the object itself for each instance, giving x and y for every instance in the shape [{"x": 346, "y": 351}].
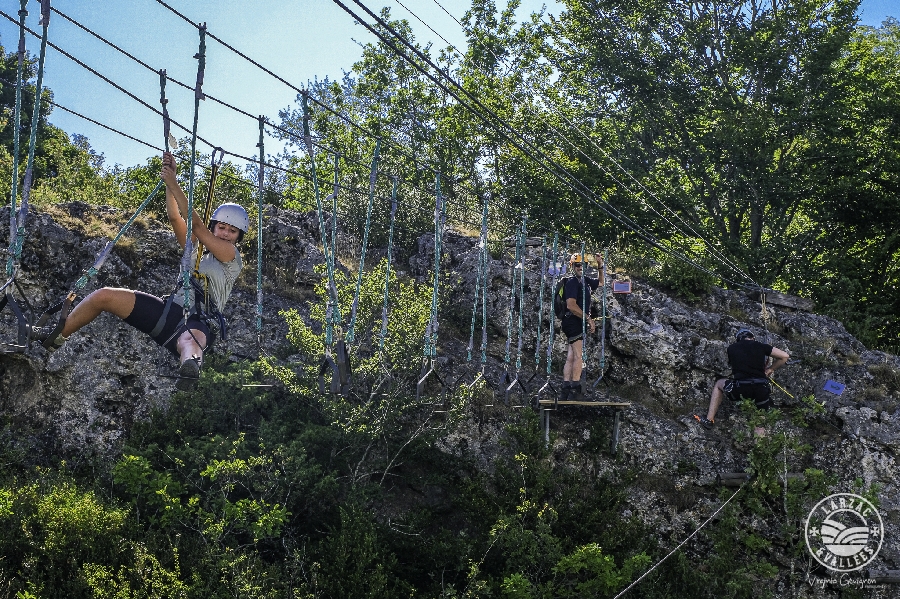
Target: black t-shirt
[
  {"x": 748, "y": 359},
  {"x": 574, "y": 289}
]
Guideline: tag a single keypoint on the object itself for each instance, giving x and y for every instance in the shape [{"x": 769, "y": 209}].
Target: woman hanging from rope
[{"x": 219, "y": 269}]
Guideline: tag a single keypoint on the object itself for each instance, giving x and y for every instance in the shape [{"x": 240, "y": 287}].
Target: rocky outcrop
[{"x": 659, "y": 353}]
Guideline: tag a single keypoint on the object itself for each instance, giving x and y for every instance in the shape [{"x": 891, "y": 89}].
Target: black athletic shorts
[
  {"x": 572, "y": 328},
  {"x": 147, "y": 310},
  {"x": 760, "y": 393}
]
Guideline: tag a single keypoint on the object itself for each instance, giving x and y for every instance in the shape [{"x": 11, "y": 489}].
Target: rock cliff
[{"x": 661, "y": 354}]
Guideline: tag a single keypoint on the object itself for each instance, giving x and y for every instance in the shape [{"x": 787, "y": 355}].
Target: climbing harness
[
  {"x": 23, "y": 311},
  {"x": 339, "y": 367},
  {"x": 511, "y": 379},
  {"x": 480, "y": 290},
  {"x": 429, "y": 354},
  {"x": 387, "y": 274}
]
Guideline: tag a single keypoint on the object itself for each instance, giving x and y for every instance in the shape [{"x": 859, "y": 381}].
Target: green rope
[
  {"x": 482, "y": 263},
  {"x": 186, "y": 266},
  {"x": 521, "y": 268},
  {"x": 387, "y": 269},
  {"x": 18, "y": 233},
  {"x": 18, "y": 124},
  {"x": 323, "y": 231},
  {"x": 431, "y": 331},
  {"x": 486, "y": 268},
  {"x": 373, "y": 175},
  {"x": 584, "y": 307},
  {"x": 259, "y": 230},
  {"x": 103, "y": 255},
  {"x": 556, "y": 268},
  {"x": 603, "y": 321},
  {"x": 336, "y": 186},
  {"x": 512, "y": 299},
  {"x": 537, "y": 343}
]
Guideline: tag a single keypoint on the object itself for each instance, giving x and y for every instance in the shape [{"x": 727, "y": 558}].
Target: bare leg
[
  {"x": 190, "y": 345},
  {"x": 715, "y": 399},
  {"x": 119, "y": 302},
  {"x": 572, "y": 368},
  {"x": 575, "y": 358}
]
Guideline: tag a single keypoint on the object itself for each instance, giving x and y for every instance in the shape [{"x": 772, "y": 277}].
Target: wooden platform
[{"x": 599, "y": 404}]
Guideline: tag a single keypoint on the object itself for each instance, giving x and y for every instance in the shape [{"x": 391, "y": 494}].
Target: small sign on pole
[
  {"x": 621, "y": 287},
  {"x": 834, "y": 387}
]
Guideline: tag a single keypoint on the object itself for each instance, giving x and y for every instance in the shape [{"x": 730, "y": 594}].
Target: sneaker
[
  {"x": 45, "y": 335},
  {"x": 188, "y": 374},
  {"x": 704, "y": 422}
]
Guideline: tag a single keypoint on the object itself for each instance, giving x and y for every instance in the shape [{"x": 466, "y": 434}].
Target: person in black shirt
[
  {"x": 750, "y": 372},
  {"x": 576, "y": 296}
]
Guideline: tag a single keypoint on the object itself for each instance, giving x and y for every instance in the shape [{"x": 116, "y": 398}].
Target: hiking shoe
[
  {"x": 188, "y": 374},
  {"x": 704, "y": 422},
  {"x": 564, "y": 391},
  {"x": 45, "y": 335}
]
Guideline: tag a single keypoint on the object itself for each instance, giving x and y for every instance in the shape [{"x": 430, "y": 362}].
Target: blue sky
[{"x": 300, "y": 40}]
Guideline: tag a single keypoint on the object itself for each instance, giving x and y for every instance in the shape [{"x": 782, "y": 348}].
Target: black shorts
[
  {"x": 572, "y": 328},
  {"x": 760, "y": 393},
  {"x": 147, "y": 310}
]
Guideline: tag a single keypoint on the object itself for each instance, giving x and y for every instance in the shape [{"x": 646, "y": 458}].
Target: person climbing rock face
[
  {"x": 164, "y": 318},
  {"x": 578, "y": 303},
  {"x": 750, "y": 372}
]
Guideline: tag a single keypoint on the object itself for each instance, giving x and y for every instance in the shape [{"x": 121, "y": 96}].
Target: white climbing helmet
[{"x": 232, "y": 214}]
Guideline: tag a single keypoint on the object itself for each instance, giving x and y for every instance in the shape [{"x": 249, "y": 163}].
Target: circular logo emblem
[{"x": 844, "y": 532}]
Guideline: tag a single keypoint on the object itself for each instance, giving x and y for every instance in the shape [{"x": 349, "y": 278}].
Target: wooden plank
[
  {"x": 616, "y": 404},
  {"x": 785, "y": 300}
]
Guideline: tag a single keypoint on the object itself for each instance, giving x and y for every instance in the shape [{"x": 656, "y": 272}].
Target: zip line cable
[
  {"x": 307, "y": 204},
  {"x": 550, "y": 165},
  {"x": 356, "y": 126},
  {"x": 680, "y": 545},
  {"x": 145, "y": 104},
  {"x": 718, "y": 254},
  {"x": 285, "y": 131}
]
